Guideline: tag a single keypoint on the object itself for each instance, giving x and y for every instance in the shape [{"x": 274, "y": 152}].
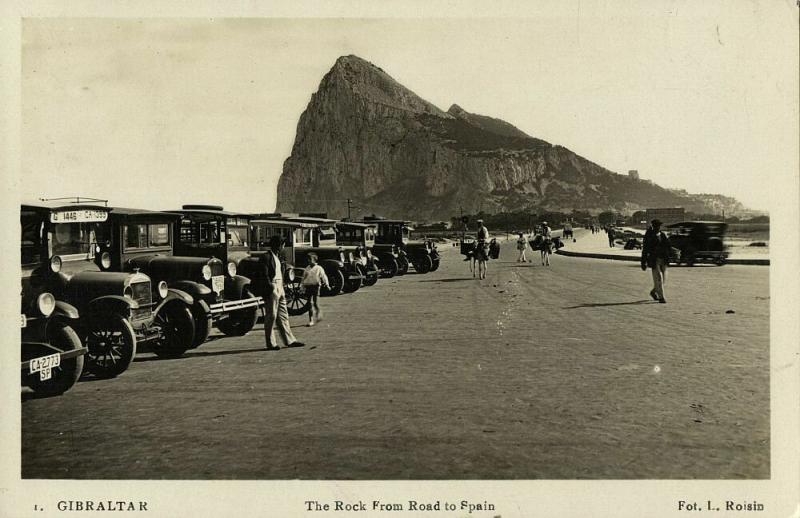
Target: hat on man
[
  {"x": 480, "y": 221},
  {"x": 544, "y": 223},
  {"x": 656, "y": 222}
]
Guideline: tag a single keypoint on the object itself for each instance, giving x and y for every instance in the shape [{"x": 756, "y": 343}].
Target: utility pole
[{"x": 349, "y": 201}]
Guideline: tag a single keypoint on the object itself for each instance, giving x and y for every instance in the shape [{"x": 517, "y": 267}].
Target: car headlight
[
  {"x": 46, "y": 303},
  {"x": 350, "y": 256},
  {"x": 206, "y": 272},
  {"x": 232, "y": 269},
  {"x": 290, "y": 274},
  {"x": 105, "y": 260},
  {"x": 341, "y": 256},
  {"x": 55, "y": 264},
  {"x": 369, "y": 254},
  {"x": 163, "y": 289}
]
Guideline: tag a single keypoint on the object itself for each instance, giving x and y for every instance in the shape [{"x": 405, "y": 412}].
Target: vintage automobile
[
  {"x": 698, "y": 241},
  {"x": 395, "y": 232},
  {"x": 359, "y": 238},
  {"x": 115, "y": 312},
  {"x": 295, "y": 235},
  {"x": 143, "y": 240},
  {"x": 210, "y": 231},
  {"x": 51, "y": 351},
  {"x": 352, "y": 275}
]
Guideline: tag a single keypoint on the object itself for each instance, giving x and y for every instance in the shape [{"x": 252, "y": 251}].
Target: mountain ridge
[{"x": 366, "y": 137}]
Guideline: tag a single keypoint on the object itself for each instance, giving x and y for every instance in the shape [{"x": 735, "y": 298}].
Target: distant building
[
  {"x": 666, "y": 215},
  {"x": 633, "y": 173}
]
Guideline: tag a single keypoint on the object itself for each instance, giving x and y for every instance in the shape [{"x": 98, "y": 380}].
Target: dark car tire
[
  {"x": 112, "y": 346},
  {"x": 424, "y": 264},
  {"x": 64, "y": 338},
  {"x": 435, "y": 264},
  {"x": 353, "y": 285},
  {"x": 203, "y": 323},
  {"x": 336, "y": 282},
  {"x": 370, "y": 280},
  {"x": 390, "y": 267},
  {"x": 240, "y": 322},
  {"x": 177, "y": 327},
  {"x": 297, "y": 301},
  {"x": 402, "y": 266}
]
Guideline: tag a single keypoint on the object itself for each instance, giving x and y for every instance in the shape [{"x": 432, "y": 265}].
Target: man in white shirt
[{"x": 275, "y": 299}]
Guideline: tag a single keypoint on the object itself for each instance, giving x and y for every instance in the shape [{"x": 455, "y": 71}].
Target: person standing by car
[
  {"x": 522, "y": 244},
  {"x": 314, "y": 277},
  {"x": 655, "y": 254},
  {"x": 275, "y": 298}
]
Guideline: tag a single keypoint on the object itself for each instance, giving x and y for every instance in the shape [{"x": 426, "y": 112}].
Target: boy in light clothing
[{"x": 314, "y": 277}]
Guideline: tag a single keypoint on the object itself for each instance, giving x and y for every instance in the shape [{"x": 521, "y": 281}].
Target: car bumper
[{"x": 227, "y": 306}]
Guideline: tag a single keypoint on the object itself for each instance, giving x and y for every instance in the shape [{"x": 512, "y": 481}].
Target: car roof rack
[{"x": 77, "y": 200}]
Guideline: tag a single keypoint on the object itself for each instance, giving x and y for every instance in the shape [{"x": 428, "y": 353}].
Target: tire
[
  {"x": 402, "y": 265},
  {"x": 690, "y": 259},
  {"x": 435, "y": 264},
  {"x": 424, "y": 264},
  {"x": 297, "y": 302},
  {"x": 391, "y": 267},
  {"x": 64, "y": 338},
  {"x": 177, "y": 330},
  {"x": 201, "y": 314},
  {"x": 240, "y": 322},
  {"x": 112, "y": 346},
  {"x": 336, "y": 281},
  {"x": 353, "y": 285},
  {"x": 372, "y": 279}
]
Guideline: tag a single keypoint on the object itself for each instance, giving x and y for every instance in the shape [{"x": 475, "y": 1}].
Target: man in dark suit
[
  {"x": 656, "y": 250},
  {"x": 275, "y": 298}
]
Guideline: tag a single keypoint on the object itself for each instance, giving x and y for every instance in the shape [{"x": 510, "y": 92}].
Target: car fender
[
  {"x": 194, "y": 289},
  {"x": 235, "y": 286},
  {"x": 65, "y": 311},
  {"x": 111, "y": 305},
  {"x": 174, "y": 296}
]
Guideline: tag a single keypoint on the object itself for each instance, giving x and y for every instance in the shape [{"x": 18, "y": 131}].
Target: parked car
[
  {"x": 359, "y": 238},
  {"x": 698, "y": 241},
  {"x": 115, "y": 312},
  {"x": 294, "y": 236},
  {"x": 422, "y": 254},
  {"x": 51, "y": 351},
  {"x": 323, "y": 243},
  {"x": 208, "y": 231},
  {"x": 143, "y": 240}
]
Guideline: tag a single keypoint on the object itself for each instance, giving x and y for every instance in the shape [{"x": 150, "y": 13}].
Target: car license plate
[
  {"x": 44, "y": 365},
  {"x": 218, "y": 283}
]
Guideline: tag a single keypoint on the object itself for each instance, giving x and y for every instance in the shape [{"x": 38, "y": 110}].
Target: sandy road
[{"x": 569, "y": 372}]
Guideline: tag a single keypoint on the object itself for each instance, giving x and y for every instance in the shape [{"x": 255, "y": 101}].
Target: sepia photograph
[{"x": 531, "y": 261}]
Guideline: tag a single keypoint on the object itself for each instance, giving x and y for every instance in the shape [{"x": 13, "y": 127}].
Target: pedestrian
[
  {"x": 276, "y": 311},
  {"x": 611, "y": 235},
  {"x": 547, "y": 244},
  {"x": 482, "y": 249},
  {"x": 656, "y": 251},
  {"x": 314, "y": 277},
  {"x": 522, "y": 244}
]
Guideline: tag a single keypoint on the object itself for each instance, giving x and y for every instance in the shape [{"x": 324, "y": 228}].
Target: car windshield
[
  {"x": 70, "y": 239},
  {"x": 237, "y": 236}
]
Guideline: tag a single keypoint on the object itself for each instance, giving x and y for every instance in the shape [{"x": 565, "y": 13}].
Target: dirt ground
[{"x": 561, "y": 372}]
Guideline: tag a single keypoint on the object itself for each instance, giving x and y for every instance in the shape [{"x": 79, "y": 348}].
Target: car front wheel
[
  {"x": 240, "y": 322},
  {"x": 112, "y": 346},
  {"x": 177, "y": 330},
  {"x": 63, "y": 377}
]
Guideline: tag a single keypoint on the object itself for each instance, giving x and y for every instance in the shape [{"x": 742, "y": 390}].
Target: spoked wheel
[
  {"x": 435, "y": 264},
  {"x": 240, "y": 322},
  {"x": 112, "y": 346},
  {"x": 370, "y": 280},
  {"x": 297, "y": 300},
  {"x": 390, "y": 267},
  {"x": 63, "y": 377},
  {"x": 201, "y": 314},
  {"x": 177, "y": 330},
  {"x": 402, "y": 265},
  {"x": 336, "y": 281}
]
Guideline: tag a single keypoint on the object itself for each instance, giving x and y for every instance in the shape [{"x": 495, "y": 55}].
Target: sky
[{"x": 154, "y": 113}]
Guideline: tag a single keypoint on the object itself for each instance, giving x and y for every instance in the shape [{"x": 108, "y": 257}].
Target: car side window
[
  {"x": 158, "y": 234},
  {"x": 30, "y": 239},
  {"x": 134, "y": 236}
]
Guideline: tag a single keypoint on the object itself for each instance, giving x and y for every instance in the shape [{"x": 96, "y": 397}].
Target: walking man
[
  {"x": 482, "y": 249},
  {"x": 275, "y": 298},
  {"x": 611, "y": 235},
  {"x": 655, "y": 254},
  {"x": 522, "y": 244}
]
